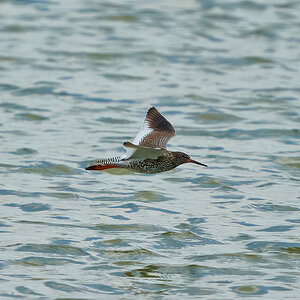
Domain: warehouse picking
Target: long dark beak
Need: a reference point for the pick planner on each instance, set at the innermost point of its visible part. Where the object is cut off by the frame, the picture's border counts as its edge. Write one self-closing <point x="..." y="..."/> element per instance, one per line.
<point x="196" y="162"/>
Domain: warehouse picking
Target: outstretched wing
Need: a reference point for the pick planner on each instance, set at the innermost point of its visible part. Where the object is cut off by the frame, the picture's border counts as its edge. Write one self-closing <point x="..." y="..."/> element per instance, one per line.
<point x="156" y="131"/>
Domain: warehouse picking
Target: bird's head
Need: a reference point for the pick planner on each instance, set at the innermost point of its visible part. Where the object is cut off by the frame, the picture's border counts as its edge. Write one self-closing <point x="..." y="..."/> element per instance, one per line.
<point x="183" y="158"/>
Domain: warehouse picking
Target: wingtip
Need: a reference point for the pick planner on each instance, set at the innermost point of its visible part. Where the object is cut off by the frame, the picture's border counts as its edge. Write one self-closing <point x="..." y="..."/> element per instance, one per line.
<point x="129" y="145"/>
<point x="90" y="168"/>
<point x="157" y="121"/>
<point x="152" y="109"/>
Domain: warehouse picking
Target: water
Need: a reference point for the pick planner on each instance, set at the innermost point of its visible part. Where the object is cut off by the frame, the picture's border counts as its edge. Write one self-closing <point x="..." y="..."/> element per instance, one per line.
<point x="76" y="79"/>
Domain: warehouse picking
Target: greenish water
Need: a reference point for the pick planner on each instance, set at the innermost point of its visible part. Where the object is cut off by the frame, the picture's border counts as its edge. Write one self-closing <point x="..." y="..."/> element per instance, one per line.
<point x="76" y="79"/>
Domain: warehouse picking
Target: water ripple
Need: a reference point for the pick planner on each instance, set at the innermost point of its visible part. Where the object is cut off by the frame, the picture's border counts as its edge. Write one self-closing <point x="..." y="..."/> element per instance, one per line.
<point x="76" y="81"/>
<point x="56" y="249"/>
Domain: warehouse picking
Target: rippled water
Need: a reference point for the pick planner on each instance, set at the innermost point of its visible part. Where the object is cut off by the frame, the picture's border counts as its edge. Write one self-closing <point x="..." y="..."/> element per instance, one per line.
<point x="76" y="79"/>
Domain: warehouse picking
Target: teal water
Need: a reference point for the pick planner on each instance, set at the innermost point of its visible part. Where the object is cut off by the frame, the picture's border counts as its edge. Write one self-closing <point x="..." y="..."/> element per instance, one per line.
<point x="76" y="79"/>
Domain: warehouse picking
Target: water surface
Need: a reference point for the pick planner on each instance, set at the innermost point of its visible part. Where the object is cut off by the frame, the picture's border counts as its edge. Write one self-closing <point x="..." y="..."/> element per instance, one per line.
<point x="76" y="79"/>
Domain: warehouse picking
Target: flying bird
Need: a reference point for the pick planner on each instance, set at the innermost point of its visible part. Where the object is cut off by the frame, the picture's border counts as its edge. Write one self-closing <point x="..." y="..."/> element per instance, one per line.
<point x="148" y="153"/>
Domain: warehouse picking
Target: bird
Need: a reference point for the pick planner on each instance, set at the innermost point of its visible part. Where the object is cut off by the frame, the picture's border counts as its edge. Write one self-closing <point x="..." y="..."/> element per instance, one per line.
<point x="147" y="153"/>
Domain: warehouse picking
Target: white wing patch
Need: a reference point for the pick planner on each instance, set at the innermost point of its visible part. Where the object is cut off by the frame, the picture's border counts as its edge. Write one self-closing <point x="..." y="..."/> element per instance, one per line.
<point x="145" y="130"/>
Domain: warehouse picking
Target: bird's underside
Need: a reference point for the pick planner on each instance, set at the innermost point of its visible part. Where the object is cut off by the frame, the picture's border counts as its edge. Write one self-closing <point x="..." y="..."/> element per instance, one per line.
<point x="142" y="160"/>
<point x="147" y="153"/>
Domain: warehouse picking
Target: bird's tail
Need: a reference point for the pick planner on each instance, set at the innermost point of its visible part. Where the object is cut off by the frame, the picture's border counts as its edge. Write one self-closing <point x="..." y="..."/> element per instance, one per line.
<point x="104" y="164"/>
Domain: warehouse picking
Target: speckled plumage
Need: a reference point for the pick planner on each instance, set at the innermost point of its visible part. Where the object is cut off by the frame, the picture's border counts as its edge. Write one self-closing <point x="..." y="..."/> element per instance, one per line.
<point x="148" y="154"/>
<point x="165" y="162"/>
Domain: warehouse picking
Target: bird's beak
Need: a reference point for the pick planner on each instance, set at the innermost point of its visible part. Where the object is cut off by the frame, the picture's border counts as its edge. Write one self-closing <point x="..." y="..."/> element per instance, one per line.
<point x="196" y="162"/>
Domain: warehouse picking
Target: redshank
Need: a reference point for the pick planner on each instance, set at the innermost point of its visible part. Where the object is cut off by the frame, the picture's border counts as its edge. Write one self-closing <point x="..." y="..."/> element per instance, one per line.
<point x="148" y="153"/>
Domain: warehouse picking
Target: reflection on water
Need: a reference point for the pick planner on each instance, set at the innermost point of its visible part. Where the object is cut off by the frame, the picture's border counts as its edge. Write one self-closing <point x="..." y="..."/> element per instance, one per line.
<point x="75" y="83"/>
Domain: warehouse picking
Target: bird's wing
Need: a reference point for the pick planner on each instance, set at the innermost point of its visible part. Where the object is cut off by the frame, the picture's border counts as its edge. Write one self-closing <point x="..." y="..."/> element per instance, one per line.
<point x="134" y="151"/>
<point x="156" y="131"/>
